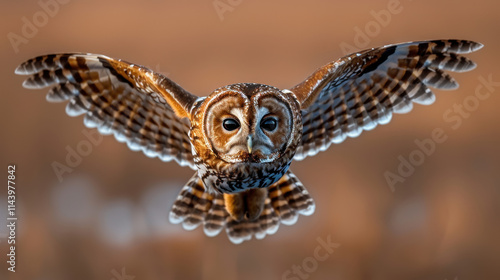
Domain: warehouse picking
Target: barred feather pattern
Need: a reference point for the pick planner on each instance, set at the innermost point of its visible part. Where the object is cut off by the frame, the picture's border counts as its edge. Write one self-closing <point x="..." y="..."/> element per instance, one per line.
<point x="286" y="199"/>
<point x="362" y="90"/>
<point x="116" y="99"/>
<point x="154" y="115"/>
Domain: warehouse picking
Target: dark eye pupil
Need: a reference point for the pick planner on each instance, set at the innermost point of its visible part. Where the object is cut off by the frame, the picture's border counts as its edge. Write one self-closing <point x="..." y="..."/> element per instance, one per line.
<point x="230" y="124"/>
<point x="269" y="124"/>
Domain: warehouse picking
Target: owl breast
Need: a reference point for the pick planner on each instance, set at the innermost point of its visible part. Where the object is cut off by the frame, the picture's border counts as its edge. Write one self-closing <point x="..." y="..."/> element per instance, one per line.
<point x="232" y="178"/>
<point x="244" y="136"/>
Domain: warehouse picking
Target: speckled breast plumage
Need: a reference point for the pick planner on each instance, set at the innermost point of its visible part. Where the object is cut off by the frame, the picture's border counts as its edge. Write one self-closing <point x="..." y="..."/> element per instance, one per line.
<point x="231" y="178"/>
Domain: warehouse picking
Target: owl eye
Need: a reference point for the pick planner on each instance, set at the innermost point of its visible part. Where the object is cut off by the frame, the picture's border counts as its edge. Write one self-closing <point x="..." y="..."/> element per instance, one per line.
<point x="269" y="123"/>
<point x="230" y="124"/>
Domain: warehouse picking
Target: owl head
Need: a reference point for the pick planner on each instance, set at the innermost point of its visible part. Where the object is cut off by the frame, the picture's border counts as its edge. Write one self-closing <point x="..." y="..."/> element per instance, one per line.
<point x="249" y="123"/>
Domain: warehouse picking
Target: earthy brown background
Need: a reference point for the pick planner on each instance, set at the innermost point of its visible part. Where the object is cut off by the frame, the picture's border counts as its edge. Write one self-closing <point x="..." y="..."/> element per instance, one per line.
<point x="110" y="213"/>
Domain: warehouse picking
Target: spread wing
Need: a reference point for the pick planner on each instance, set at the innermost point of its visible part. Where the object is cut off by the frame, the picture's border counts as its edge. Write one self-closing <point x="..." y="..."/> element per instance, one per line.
<point x="362" y="90"/>
<point x="142" y="108"/>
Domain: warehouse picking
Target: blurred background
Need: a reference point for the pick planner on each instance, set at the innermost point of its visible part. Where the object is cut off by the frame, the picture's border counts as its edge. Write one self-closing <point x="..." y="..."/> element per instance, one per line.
<point x="108" y="217"/>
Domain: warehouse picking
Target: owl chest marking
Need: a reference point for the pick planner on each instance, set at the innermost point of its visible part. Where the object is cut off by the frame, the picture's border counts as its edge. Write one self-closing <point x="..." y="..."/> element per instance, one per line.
<point x="240" y="179"/>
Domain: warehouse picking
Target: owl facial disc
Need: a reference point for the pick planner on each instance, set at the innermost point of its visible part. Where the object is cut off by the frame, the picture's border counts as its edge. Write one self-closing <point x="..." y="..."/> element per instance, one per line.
<point x="248" y="123"/>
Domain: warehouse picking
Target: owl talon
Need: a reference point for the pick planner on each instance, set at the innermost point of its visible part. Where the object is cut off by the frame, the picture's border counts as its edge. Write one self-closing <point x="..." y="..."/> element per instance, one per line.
<point x="255" y="199"/>
<point x="248" y="204"/>
<point x="235" y="205"/>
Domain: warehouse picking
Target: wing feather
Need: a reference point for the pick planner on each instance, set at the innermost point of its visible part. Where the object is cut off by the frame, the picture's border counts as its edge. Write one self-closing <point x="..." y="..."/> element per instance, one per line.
<point x="362" y="90"/>
<point x="135" y="104"/>
<point x="287" y="199"/>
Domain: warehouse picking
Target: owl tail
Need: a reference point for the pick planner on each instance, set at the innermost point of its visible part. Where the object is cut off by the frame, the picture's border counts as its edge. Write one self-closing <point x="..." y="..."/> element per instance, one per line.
<point x="286" y="199"/>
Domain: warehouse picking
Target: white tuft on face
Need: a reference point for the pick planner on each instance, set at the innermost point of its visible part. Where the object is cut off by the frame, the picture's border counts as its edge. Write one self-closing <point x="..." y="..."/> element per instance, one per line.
<point x="235" y="143"/>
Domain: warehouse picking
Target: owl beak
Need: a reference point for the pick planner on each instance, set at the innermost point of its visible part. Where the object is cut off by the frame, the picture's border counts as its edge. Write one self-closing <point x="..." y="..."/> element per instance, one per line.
<point x="249" y="144"/>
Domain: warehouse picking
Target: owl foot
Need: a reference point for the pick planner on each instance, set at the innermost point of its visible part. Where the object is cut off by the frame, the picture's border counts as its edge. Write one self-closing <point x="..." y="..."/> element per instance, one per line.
<point x="247" y="204"/>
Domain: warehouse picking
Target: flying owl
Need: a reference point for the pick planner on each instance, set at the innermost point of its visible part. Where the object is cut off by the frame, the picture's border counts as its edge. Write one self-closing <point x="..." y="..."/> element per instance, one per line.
<point x="242" y="138"/>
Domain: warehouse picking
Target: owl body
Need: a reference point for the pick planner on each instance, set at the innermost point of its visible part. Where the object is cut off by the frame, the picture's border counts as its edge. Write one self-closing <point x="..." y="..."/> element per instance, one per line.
<point x="252" y="157"/>
<point x="242" y="138"/>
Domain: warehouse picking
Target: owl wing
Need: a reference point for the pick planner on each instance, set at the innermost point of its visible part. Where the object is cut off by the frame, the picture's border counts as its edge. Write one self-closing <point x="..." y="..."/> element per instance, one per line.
<point x="142" y="108"/>
<point x="361" y="90"/>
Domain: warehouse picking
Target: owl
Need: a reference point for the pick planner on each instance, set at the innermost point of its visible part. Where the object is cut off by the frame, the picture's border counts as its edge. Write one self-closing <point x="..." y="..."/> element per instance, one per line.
<point x="241" y="139"/>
